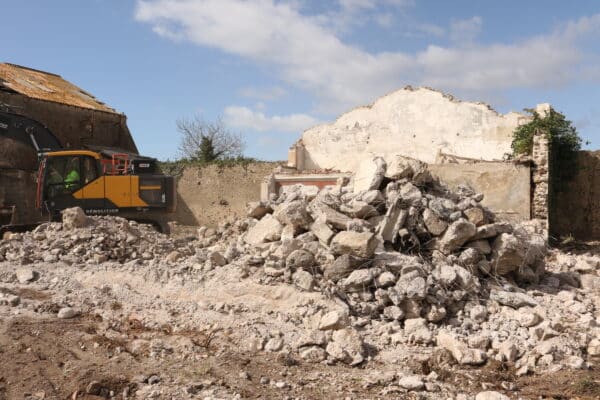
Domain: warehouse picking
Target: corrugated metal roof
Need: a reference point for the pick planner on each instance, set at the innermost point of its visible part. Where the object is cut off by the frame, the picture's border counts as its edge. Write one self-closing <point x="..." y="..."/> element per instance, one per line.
<point x="47" y="86"/>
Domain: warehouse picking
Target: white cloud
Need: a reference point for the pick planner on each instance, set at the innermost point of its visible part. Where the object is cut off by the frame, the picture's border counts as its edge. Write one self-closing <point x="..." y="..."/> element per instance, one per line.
<point x="465" y="31"/>
<point x="430" y="29"/>
<point x="310" y="54"/>
<point x="265" y="93"/>
<point x="245" y="118"/>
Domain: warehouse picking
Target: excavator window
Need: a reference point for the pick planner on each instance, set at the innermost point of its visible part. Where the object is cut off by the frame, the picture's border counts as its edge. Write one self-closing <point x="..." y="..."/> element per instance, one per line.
<point x="63" y="176"/>
<point x="90" y="170"/>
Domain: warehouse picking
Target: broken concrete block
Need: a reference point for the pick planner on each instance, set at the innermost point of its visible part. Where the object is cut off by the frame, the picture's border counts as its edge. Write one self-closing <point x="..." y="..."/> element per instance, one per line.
<point x="267" y="229"/>
<point x="475" y="215"/>
<point x="258" y="209"/>
<point x="410" y="194"/>
<point x="491" y="395"/>
<point x="359" y="209"/>
<point x="492" y="230"/>
<point x="512" y="299"/>
<point x="322" y="231"/>
<point x="457" y="234"/>
<point x="73" y="218"/>
<point x="400" y="167"/>
<point x="508" y="254"/>
<point x="434" y="224"/>
<point x="360" y="244"/>
<point x="293" y="213"/>
<point x="370" y="174"/>
<point x="346" y="346"/>
<point x="481" y="245"/>
<point x="300" y="259"/>
<point x="334" y="320"/>
<point x="372" y="197"/>
<point x="313" y="354"/>
<point x="332" y="217"/>
<point x="360" y="279"/>
<point x="303" y="279"/>
<point x="393" y="313"/>
<point x="25" y="275"/>
<point x="417" y="331"/>
<point x="394" y="220"/>
<point x="343" y="266"/>
<point x="459" y="350"/>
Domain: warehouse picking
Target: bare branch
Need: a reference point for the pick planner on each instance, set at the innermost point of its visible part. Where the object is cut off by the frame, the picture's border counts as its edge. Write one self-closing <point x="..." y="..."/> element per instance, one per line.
<point x="197" y="132"/>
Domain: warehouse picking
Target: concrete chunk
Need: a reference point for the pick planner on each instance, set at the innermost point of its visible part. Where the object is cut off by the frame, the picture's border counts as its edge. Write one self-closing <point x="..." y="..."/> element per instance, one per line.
<point x="322" y="231"/>
<point x="459" y="350"/>
<point x="332" y="217"/>
<point x="434" y="224"/>
<point x="257" y="209"/>
<point x="360" y="244"/>
<point x="267" y="229"/>
<point x="370" y="174"/>
<point x="394" y="219"/>
<point x="512" y="299"/>
<point x="343" y="266"/>
<point x="294" y="213"/>
<point x="457" y="234"/>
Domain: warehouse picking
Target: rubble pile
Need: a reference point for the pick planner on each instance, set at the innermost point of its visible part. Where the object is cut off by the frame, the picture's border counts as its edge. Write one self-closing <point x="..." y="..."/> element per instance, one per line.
<point x="410" y="261"/>
<point x="395" y="267"/>
<point x="82" y="239"/>
<point x="413" y="249"/>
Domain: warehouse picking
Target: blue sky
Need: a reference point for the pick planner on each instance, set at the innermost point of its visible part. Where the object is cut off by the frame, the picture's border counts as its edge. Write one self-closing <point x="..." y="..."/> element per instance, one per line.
<point x="273" y="68"/>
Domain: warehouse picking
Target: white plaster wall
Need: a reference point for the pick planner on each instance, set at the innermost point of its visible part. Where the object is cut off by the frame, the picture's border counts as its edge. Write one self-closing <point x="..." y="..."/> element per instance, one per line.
<point x="413" y="122"/>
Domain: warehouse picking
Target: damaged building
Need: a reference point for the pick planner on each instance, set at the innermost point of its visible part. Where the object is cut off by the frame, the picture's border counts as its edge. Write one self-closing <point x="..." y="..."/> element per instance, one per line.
<point x="463" y="143"/>
<point x="41" y="108"/>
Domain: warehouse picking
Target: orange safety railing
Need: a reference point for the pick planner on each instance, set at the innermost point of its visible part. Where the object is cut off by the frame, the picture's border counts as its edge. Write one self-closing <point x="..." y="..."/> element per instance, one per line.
<point x="117" y="165"/>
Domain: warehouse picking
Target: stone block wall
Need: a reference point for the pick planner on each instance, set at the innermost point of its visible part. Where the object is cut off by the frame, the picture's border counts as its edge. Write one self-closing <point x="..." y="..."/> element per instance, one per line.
<point x="540" y="177"/>
<point x="576" y="207"/>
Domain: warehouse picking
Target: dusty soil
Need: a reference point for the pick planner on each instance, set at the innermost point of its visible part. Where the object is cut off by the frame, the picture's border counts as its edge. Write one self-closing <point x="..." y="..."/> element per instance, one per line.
<point x="67" y="359"/>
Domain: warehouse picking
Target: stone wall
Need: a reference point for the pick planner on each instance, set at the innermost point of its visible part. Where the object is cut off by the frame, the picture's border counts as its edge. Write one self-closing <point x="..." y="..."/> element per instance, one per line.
<point x="505" y="186"/>
<point x="576" y="207"/>
<point x="74" y="126"/>
<point x="209" y="195"/>
<point x="418" y="123"/>
<point x="540" y="177"/>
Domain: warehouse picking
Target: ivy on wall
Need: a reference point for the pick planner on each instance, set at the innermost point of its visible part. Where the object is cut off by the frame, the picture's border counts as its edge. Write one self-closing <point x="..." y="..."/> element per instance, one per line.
<point x="564" y="140"/>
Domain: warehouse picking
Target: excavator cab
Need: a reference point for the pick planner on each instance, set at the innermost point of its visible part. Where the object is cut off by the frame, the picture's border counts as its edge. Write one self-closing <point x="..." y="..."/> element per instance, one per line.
<point x="62" y="175"/>
<point x="105" y="182"/>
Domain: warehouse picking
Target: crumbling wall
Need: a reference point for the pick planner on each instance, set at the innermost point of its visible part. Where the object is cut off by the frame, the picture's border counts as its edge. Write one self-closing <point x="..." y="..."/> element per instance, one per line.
<point x="18" y="187"/>
<point x="209" y="195"/>
<point x="576" y="208"/>
<point x="418" y="123"/>
<point x="74" y="126"/>
<point x="540" y="178"/>
<point x="505" y="186"/>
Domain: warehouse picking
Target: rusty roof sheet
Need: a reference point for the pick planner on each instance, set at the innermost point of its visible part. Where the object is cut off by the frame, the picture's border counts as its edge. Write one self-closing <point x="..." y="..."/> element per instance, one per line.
<point x="47" y="86"/>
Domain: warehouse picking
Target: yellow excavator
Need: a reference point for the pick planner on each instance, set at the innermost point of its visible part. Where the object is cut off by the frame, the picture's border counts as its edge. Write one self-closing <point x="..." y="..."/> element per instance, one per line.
<point x="100" y="180"/>
<point x="104" y="181"/>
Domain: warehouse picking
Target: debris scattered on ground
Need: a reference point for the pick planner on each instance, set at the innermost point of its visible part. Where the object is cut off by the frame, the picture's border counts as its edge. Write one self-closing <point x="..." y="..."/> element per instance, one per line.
<point x="404" y="275"/>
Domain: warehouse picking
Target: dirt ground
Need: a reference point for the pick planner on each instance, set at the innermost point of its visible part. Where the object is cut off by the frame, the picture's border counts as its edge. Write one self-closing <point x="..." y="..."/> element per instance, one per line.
<point x="67" y="359"/>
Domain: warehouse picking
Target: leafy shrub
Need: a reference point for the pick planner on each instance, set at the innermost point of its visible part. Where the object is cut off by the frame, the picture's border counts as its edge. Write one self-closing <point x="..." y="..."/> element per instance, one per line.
<point x="564" y="143"/>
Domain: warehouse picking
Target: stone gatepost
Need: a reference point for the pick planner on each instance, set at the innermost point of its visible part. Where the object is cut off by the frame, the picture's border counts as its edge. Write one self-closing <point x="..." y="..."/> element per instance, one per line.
<point x="540" y="154"/>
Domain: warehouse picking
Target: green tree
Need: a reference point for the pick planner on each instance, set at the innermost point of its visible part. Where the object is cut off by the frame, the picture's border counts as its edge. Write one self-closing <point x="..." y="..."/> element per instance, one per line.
<point x="563" y="138"/>
<point x="561" y="133"/>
